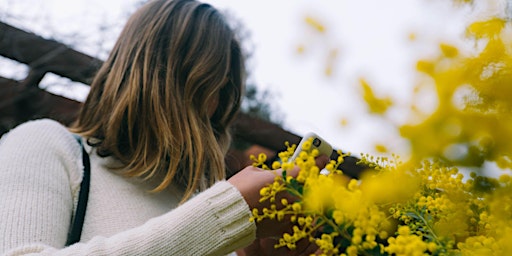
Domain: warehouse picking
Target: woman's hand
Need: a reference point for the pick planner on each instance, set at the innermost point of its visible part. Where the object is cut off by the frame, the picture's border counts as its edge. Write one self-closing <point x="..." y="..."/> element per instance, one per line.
<point x="249" y="182"/>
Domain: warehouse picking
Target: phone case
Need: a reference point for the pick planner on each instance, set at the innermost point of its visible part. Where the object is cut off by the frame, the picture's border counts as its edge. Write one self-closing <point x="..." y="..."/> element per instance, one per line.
<point x="323" y="146"/>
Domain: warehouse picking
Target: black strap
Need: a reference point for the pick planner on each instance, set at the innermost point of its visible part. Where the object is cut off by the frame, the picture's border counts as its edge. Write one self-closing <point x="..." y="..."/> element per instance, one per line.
<point x="76" y="227"/>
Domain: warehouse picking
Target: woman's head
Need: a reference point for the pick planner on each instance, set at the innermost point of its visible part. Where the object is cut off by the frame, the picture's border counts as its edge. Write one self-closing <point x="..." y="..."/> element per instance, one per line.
<point x="164" y="99"/>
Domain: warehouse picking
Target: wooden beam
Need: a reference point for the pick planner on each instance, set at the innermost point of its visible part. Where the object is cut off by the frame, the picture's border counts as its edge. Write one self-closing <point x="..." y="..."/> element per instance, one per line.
<point x="47" y="55"/>
<point x="19" y="104"/>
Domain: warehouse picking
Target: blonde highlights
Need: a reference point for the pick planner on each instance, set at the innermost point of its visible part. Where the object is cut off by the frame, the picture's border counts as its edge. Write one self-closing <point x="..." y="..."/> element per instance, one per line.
<point x="149" y="103"/>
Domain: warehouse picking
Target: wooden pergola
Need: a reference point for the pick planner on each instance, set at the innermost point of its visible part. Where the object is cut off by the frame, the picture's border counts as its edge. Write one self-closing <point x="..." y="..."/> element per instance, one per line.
<point x="24" y="100"/>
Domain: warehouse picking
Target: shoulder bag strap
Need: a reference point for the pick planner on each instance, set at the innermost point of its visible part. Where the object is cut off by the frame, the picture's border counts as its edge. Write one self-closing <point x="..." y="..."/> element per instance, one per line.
<point x="78" y="221"/>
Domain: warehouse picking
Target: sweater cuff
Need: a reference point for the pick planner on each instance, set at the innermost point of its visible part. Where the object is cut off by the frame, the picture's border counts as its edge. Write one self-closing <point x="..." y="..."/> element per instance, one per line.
<point x="218" y="223"/>
<point x="231" y="214"/>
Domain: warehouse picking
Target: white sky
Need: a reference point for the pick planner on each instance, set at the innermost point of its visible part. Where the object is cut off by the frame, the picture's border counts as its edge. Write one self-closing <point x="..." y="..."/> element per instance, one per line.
<point x="371" y="37"/>
<point x="372" y="40"/>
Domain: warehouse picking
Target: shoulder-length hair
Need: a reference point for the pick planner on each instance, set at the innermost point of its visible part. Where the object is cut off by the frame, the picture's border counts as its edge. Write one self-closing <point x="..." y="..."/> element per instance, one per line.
<point x="150" y="103"/>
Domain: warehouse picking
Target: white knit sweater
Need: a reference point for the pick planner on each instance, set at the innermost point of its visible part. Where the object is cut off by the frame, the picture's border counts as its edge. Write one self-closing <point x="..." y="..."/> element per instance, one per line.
<point x="40" y="175"/>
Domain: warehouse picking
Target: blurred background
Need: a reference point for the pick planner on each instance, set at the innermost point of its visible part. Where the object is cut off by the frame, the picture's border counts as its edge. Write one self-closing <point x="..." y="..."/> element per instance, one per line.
<point x="305" y="58"/>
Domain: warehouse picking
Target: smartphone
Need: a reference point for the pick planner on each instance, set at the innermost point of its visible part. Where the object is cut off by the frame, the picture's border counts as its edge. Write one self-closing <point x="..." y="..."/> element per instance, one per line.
<point x="323" y="146"/>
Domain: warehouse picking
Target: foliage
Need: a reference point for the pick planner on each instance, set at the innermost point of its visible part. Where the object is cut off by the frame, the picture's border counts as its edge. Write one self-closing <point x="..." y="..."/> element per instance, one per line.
<point x="425" y="205"/>
<point x="479" y="128"/>
<point x="395" y="209"/>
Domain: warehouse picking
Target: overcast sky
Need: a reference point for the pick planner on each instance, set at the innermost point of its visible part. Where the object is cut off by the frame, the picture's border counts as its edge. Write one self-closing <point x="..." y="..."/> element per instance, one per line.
<point x="371" y="37"/>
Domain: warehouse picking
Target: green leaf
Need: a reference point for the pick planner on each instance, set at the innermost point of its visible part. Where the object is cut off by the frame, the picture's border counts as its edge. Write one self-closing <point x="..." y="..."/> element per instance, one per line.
<point x="413" y="215"/>
<point x="295" y="185"/>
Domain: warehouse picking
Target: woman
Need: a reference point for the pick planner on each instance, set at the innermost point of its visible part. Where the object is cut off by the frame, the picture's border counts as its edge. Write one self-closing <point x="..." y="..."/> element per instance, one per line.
<point x="155" y="125"/>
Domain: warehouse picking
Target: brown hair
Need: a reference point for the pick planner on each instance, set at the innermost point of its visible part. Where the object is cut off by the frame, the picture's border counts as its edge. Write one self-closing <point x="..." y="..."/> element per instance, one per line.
<point x="149" y="103"/>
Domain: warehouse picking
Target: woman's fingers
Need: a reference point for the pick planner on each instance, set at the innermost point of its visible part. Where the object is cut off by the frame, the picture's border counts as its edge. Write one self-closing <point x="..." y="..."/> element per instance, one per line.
<point x="249" y="182"/>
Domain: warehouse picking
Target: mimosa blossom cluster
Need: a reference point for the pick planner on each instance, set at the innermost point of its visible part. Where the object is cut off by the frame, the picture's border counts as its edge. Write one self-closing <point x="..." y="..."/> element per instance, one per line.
<point x="394" y="209"/>
<point x="430" y="204"/>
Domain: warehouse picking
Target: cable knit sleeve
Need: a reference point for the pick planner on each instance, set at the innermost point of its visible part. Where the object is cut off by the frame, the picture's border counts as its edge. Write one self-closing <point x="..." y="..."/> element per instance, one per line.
<point x="214" y="222"/>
